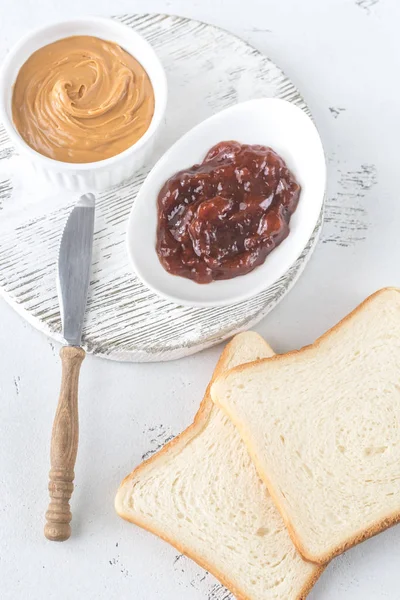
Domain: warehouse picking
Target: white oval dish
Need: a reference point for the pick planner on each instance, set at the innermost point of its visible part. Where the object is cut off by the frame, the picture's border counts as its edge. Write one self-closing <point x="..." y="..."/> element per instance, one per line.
<point x="111" y="171"/>
<point x="271" y="122"/>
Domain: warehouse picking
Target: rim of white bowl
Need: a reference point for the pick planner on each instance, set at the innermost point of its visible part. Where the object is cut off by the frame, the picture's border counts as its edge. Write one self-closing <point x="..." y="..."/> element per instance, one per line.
<point x="160" y="97"/>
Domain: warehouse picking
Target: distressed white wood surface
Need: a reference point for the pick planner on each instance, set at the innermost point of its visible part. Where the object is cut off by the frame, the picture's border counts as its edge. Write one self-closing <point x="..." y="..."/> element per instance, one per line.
<point x="208" y="70"/>
<point x="344" y="55"/>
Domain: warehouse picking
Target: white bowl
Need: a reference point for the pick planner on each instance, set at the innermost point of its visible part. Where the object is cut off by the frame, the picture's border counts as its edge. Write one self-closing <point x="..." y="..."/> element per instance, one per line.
<point x="271" y="122"/>
<point x="101" y="174"/>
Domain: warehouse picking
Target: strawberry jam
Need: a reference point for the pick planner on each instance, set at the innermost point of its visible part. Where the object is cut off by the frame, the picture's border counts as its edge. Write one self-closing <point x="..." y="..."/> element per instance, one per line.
<point x="221" y="218"/>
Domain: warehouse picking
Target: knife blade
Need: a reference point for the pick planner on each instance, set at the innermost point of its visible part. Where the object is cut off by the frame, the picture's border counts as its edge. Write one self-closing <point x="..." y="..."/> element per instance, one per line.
<point x="74" y="264"/>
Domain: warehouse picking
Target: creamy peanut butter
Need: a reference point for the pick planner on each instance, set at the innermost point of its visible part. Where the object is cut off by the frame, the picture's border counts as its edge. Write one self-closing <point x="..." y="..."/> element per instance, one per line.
<point x="82" y="99"/>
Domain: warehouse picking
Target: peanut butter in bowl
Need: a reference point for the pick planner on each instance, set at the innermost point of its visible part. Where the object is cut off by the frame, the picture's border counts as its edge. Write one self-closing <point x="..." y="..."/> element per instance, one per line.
<point x="82" y="99"/>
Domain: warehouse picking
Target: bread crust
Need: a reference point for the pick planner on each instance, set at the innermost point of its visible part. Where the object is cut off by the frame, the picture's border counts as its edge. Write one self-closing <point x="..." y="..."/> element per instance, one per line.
<point x="361" y="535"/>
<point x="198" y="425"/>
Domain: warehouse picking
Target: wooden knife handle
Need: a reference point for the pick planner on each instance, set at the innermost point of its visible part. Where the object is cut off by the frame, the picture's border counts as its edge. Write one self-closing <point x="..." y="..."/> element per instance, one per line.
<point x="64" y="446"/>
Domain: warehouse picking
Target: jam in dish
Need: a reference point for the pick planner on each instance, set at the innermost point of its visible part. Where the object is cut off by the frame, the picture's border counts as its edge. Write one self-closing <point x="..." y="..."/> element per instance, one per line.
<point x="221" y="219"/>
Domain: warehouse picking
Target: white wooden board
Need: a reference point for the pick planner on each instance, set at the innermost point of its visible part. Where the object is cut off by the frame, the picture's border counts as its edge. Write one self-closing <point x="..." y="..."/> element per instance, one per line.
<point x="208" y="70"/>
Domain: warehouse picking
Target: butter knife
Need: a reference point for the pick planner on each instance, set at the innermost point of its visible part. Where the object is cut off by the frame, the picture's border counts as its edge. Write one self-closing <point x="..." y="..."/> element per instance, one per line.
<point x="74" y="264"/>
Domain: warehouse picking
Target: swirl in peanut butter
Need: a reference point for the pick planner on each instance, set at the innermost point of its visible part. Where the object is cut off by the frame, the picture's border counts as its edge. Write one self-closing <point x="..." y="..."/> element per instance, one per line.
<point x="82" y="99"/>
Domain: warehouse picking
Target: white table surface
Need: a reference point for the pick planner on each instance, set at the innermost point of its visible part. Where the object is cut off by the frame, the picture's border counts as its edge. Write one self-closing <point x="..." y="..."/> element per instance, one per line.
<point x="344" y="55"/>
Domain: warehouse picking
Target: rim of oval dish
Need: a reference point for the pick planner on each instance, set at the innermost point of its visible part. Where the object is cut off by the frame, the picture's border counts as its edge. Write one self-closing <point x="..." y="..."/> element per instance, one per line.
<point x="288" y="259"/>
<point x="112" y="24"/>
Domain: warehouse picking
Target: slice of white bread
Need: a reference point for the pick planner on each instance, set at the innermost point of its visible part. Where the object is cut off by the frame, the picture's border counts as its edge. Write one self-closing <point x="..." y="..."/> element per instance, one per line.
<point x="323" y="428"/>
<point x="201" y="493"/>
